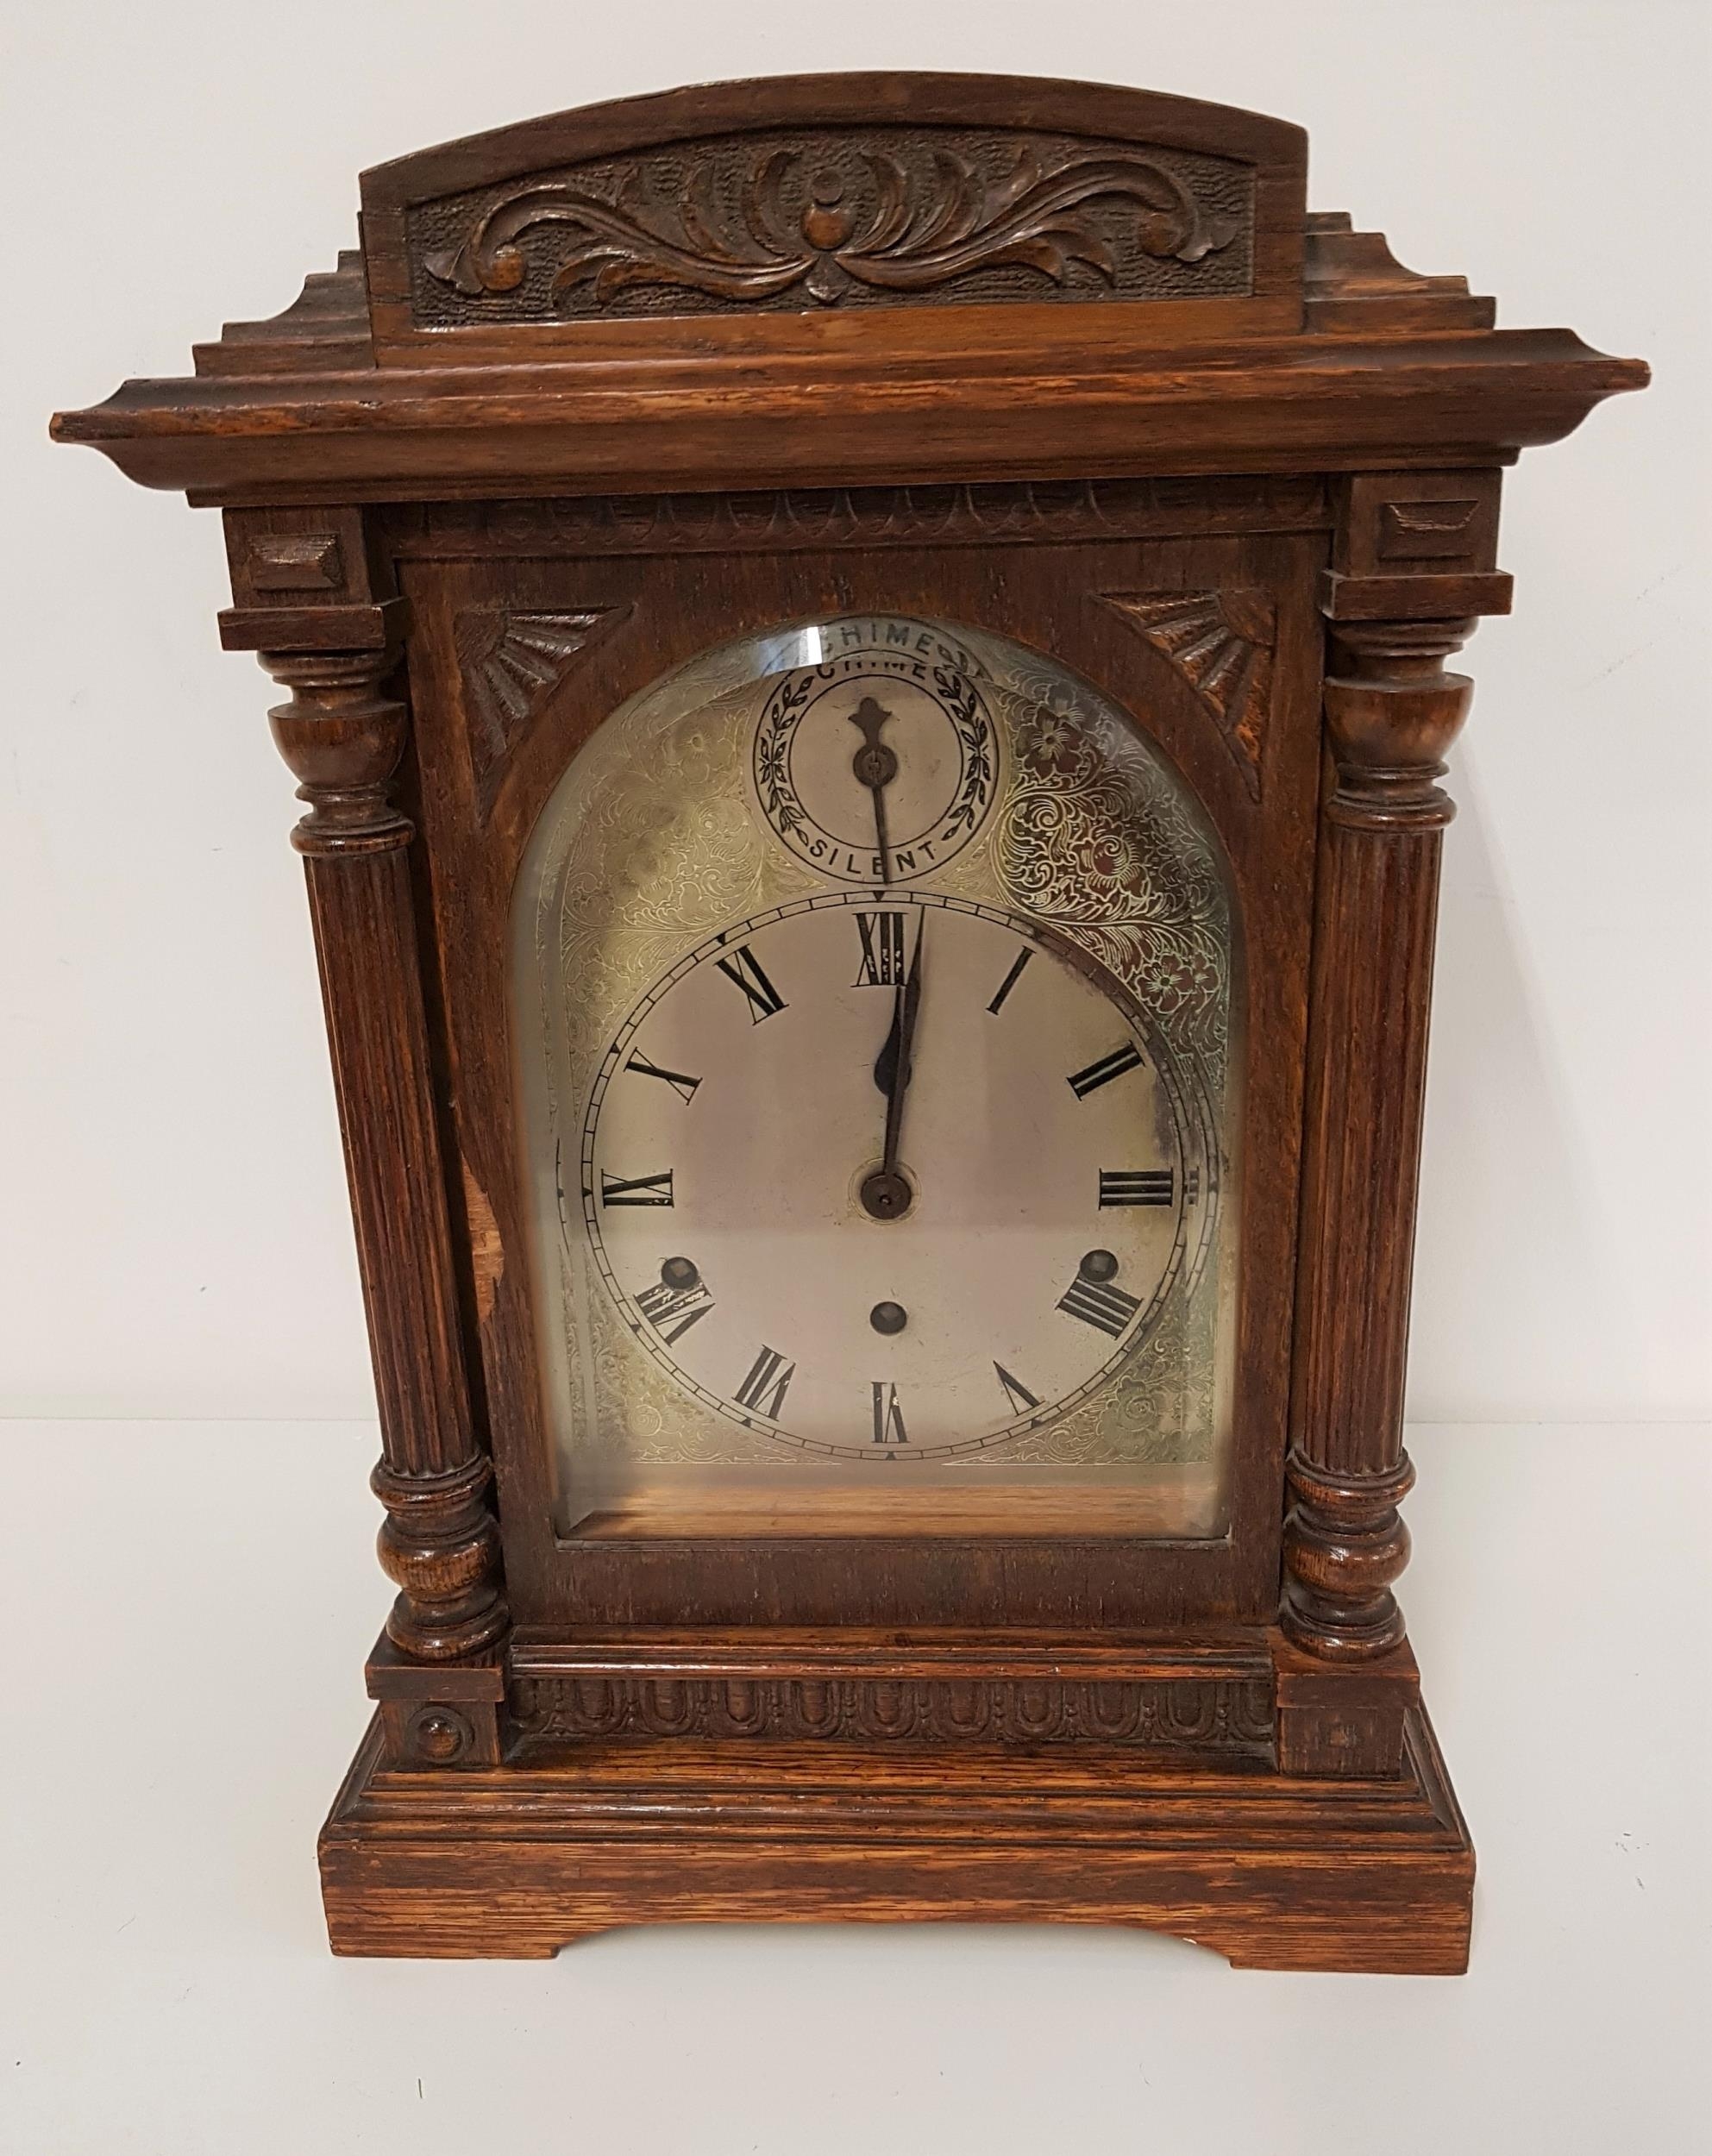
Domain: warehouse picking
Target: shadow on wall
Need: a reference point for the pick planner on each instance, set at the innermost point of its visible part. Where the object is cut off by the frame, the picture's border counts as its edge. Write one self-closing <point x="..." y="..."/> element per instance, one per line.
<point x="1522" y="1311"/>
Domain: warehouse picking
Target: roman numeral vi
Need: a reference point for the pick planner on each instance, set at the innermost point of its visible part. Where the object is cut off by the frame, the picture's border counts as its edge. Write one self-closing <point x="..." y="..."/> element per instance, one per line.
<point x="889" y="1417"/>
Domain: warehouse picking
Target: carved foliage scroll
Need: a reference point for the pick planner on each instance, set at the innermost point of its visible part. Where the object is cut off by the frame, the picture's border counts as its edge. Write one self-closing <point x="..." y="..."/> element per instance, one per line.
<point x="787" y="220"/>
<point x="1221" y="643"/>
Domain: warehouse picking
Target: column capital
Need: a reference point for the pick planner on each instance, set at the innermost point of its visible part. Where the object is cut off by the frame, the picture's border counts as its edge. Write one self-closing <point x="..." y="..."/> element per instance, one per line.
<point x="342" y="739"/>
<point x="1392" y="712"/>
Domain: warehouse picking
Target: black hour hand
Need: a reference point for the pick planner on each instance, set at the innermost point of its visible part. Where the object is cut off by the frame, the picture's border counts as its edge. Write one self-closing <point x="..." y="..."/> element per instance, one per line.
<point x="886" y="1063"/>
<point x="898" y="1039"/>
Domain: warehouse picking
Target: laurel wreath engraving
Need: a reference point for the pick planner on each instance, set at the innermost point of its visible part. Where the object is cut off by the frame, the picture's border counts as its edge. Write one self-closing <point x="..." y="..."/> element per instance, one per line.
<point x="957" y="696"/>
<point x="900" y="232"/>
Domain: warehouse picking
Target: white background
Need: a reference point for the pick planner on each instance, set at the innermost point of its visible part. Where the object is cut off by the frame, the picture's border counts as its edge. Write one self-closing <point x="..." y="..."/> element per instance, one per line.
<point x="180" y="1243"/>
<point x="174" y="1244"/>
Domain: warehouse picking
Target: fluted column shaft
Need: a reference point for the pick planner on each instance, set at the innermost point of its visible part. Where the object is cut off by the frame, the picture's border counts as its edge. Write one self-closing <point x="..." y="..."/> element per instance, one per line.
<point x="1391" y="712"/>
<point x="440" y="1542"/>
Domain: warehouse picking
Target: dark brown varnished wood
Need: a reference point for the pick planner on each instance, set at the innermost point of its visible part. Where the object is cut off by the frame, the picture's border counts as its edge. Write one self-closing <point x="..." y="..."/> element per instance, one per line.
<point x="439" y="1542"/>
<point x="1073" y="363"/>
<point x="1391" y="713"/>
<point x="1272" y="1871"/>
<point x="648" y="614"/>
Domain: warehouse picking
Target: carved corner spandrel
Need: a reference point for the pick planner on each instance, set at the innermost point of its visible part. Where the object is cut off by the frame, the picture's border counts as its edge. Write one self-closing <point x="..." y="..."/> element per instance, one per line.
<point x="1220" y="643"/>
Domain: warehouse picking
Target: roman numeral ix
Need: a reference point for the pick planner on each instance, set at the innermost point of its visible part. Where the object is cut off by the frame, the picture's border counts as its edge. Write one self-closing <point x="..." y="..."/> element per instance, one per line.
<point x="679" y="1081"/>
<point x="635" y="1190"/>
<point x="765" y="1387"/>
<point x="764" y="998"/>
<point x="1128" y="1057"/>
<point x="1137" y="1185"/>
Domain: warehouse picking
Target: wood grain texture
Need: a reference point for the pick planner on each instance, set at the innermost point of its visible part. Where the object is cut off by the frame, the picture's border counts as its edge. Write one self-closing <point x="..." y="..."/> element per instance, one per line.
<point x="1391" y="713"/>
<point x="1271" y="1871"/>
<point x="439" y="1543"/>
<point x="1076" y="402"/>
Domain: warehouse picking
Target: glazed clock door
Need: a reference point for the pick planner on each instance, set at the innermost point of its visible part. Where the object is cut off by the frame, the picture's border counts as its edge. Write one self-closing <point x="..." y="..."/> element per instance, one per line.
<point x="884" y="1070"/>
<point x="881" y="1137"/>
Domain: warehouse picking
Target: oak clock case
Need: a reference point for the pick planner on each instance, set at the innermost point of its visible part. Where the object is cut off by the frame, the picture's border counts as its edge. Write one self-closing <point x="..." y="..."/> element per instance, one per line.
<point x="866" y="661"/>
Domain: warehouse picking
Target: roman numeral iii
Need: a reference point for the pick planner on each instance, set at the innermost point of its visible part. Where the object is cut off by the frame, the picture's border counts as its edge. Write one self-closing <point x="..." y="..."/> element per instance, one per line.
<point x="1137" y="1185"/>
<point x="882" y="950"/>
<point x="1098" y="1303"/>
<point x="1083" y="1082"/>
<point x="681" y="1082"/>
<point x="765" y="1387"/>
<point x="764" y="998"/>
<point x="635" y="1190"/>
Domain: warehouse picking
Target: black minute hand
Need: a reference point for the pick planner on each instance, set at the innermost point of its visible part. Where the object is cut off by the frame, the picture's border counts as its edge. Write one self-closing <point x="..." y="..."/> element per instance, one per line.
<point x="886" y="1193"/>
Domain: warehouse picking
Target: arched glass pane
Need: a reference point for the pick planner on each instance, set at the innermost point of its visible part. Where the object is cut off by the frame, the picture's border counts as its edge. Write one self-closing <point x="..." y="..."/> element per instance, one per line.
<point x="876" y="991"/>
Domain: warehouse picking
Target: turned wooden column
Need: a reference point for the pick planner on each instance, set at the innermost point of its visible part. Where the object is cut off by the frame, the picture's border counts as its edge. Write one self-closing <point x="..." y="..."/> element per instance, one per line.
<point x="440" y="1542"/>
<point x="1391" y="712"/>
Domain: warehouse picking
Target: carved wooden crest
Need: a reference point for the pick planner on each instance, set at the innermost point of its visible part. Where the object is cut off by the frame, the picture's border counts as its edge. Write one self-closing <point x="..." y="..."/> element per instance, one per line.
<point x="512" y="665"/>
<point x="1221" y="643"/>
<point x="844" y="216"/>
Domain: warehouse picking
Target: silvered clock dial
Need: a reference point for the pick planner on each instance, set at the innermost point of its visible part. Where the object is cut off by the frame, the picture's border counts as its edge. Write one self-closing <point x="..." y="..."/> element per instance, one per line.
<point x="883" y="974"/>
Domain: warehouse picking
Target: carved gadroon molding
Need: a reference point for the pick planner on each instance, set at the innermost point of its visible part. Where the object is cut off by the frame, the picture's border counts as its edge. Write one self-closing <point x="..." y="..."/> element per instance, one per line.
<point x="1162" y="1712"/>
<point x="1221" y="643"/>
<point x="512" y="662"/>
<point x="789" y="219"/>
<point x="1020" y="511"/>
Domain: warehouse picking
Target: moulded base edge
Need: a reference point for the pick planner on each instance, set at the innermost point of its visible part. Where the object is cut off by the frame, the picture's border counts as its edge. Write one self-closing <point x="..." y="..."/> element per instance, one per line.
<point x="1271" y="1870"/>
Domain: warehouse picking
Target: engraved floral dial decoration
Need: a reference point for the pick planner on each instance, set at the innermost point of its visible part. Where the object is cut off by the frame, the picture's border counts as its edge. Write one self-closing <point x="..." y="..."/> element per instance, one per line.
<point x="877" y="982"/>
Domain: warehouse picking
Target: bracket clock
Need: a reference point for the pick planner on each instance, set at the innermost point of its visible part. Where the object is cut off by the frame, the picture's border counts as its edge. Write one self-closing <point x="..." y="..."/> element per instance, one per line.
<point x="866" y="658"/>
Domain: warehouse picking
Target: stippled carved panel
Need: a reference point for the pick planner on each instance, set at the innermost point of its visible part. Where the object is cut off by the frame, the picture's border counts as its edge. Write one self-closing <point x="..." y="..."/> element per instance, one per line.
<point x="1170" y="1712"/>
<point x="1221" y="643"/>
<point x="786" y="220"/>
